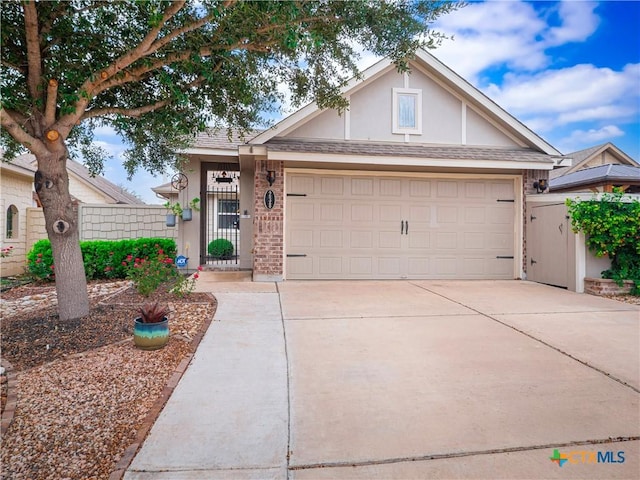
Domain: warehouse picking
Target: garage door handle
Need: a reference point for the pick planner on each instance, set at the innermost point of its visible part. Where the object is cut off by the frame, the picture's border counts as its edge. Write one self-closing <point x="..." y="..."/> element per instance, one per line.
<point x="406" y="227"/>
<point x="401" y="227"/>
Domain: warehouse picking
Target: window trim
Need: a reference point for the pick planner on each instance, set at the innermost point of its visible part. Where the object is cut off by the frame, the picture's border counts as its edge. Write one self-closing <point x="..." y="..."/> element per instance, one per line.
<point x="417" y="93"/>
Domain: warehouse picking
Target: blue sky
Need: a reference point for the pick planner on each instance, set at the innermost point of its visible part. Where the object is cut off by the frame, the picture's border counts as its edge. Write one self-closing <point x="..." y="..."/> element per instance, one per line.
<point x="570" y="71"/>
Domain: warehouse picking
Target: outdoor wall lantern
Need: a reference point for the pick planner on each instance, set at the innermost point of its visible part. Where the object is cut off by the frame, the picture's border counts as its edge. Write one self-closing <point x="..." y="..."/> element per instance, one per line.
<point x="271" y="176"/>
<point x="541" y="185"/>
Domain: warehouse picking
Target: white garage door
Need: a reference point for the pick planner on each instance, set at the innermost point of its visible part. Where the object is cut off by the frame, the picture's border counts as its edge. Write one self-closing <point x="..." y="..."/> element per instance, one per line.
<point x="378" y="227"/>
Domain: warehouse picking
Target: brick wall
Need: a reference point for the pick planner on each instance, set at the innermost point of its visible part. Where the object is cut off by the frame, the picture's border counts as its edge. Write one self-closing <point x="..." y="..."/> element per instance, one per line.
<point x="603" y="286"/>
<point x="268" y="225"/>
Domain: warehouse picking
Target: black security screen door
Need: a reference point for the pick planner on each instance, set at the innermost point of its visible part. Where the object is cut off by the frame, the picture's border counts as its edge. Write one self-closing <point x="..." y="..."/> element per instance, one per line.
<point x="220" y="229"/>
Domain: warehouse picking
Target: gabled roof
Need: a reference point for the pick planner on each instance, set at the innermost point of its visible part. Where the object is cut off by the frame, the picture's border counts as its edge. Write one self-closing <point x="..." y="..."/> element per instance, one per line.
<point x="439" y="70"/>
<point x="602" y="174"/>
<point x="583" y="157"/>
<point x="27" y="162"/>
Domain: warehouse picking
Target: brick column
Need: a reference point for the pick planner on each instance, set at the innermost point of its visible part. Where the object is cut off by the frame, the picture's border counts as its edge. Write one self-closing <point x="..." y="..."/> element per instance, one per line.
<point x="268" y="225"/>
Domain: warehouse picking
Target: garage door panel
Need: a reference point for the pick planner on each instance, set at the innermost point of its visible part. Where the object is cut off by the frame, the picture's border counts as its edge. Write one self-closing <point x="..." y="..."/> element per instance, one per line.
<point x="389" y="240"/>
<point x="361" y="239"/>
<point x="473" y="266"/>
<point x="447" y="214"/>
<point x="331" y="212"/>
<point x="474" y="240"/>
<point x="445" y="266"/>
<point x="391" y="213"/>
<point x="474" y="190"/>
<point x="390" y="266"/>
<point x="330" y="265"/>
<point x="300" y="266"/>
<point x="332" y="185"/>
<point x="301" y="239"/>
<point x="362" y="213"/>
<point x="446" y="240"/>
<point x="390" y="187"/>
<point x="362" y="187"/>
<point x="499" y="216"/>
<point x="447" y="189"/>
<point x="420" y="239"/>
<point x="301" y="212"/>
<point x="420" y="189"/>
<point x="361" y="266"/>
<point x="473" y="215"/>
<point x="399" y="227"/>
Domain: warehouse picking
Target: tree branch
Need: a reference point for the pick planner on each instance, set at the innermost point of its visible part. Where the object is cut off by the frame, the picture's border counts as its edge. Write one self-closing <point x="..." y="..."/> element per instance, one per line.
<point x="127" y="112"/>
<point x="89" y="90"/>
<point x="9" y="123"/>
<point x="52" y="97"/>
<point x="17" y="68"/>
<point x="33" y="47"/>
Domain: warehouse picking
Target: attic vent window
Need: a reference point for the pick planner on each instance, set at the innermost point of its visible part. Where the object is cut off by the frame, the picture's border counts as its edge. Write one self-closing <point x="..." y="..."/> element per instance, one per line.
<point x="407" y="111"/>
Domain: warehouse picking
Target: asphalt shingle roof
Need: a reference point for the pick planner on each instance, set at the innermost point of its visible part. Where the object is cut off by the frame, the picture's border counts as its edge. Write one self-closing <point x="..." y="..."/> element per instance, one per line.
<point x="601" y="173"/>
<point x="119" y="195"/>
<point x="408" y="150"/>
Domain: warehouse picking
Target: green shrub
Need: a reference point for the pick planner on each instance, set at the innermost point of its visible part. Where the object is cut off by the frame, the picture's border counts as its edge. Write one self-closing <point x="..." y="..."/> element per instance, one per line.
<point x="102" y="258"/>
<point x="611" y="227"/>
<point x="220" y="248"/>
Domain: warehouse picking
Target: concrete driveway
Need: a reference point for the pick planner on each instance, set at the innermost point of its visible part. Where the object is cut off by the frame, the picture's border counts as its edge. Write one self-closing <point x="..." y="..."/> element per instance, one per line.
<point x="405" y="379"/>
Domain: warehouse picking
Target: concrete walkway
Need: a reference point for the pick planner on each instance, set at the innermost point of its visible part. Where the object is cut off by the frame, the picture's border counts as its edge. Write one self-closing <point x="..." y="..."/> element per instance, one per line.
<point x="404" y="379"/>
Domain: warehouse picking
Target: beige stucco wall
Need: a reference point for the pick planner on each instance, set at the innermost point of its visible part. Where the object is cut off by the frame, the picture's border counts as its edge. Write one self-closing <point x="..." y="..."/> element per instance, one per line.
<point x="445" y="118"/>
<point x="16" y="190"/>
<point x="85" y="193"/>
<point x="481" y="132"/>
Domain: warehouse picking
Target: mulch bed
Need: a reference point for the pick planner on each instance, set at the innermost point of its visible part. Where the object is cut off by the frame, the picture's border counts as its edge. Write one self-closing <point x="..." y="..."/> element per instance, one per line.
<point x="85" y="394"/>
<point x="33" y="338"/>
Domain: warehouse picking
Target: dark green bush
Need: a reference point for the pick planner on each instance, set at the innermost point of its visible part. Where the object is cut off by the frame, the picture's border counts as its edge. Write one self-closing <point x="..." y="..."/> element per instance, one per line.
<point x="102" y="258"/>
<point x="220" y="248"/>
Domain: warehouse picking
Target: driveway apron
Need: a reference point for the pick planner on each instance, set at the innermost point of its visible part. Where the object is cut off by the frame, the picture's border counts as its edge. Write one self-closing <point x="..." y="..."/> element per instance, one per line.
<point x="405" y="379"/>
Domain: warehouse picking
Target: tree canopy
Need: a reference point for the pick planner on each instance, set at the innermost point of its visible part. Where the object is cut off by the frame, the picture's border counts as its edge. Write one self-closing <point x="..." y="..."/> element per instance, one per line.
<point x="159" y="71"/>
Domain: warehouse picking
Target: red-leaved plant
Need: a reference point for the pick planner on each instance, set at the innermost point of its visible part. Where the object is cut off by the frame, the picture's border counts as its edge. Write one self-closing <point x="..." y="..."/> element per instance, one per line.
<point x="153" y="313"/>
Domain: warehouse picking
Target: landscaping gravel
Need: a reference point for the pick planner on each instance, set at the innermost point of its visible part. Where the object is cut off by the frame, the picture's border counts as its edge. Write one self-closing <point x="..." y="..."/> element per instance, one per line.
<point x="82" y="400"/>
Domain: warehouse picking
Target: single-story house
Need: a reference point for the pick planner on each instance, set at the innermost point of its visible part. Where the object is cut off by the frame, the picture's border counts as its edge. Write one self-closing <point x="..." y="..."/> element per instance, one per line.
<point x="19" y="199"/>
<point x="422" y="177"/>
<point x="597" y="169"/>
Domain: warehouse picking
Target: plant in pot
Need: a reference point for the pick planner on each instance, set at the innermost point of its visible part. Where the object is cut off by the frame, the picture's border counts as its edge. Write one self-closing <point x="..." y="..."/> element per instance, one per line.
<point x="187" y="212"/>
<point x="151" y="328"/>
<point x="175" y="210"/>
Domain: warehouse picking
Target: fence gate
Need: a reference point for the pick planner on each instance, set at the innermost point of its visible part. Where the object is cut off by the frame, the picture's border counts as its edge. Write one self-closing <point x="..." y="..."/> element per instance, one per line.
<point x="220" y="229"/>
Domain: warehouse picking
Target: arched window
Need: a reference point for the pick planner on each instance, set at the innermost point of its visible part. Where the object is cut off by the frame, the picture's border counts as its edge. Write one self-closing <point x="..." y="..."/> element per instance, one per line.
<point x="12" y="222"/>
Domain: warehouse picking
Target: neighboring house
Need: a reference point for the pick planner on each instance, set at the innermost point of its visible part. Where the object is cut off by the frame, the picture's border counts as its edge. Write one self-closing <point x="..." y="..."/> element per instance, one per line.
<point x="21" y="223"/>
<point x="422" y="177"/>
<point x="597" y="169"/>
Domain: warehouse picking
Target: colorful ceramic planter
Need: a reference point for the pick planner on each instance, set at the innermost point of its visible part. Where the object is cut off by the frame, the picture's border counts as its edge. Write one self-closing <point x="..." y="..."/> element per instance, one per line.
<point x="150" y="336"/>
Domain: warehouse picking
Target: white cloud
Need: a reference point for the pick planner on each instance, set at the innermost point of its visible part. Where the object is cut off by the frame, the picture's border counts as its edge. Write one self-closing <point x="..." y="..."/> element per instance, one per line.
<point x="577" y="139"/>
<point x="579" y="21"/>
<point x="510" y="33"/>
<point x="575" y="94"/>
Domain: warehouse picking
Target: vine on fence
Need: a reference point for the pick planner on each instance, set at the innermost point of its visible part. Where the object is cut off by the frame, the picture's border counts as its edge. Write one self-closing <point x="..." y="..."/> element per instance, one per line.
<point x="611" y="226"/>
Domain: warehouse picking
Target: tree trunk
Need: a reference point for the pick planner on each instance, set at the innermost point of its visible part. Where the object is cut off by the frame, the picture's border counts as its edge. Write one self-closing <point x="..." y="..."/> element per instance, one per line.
<point x="52" y="186"/>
